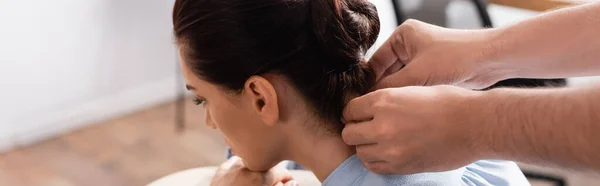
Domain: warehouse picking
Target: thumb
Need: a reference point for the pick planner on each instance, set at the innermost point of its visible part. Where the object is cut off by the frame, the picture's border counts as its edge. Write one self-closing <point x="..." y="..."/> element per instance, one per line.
<point x="234" y="161"/>
<point x="277" y="174"/>
<point x="407" y="76"/>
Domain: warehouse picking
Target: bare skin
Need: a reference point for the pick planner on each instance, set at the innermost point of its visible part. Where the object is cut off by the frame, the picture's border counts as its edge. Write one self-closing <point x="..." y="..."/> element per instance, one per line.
<point x="414" y="129"/>
<point x="234" y="172"/>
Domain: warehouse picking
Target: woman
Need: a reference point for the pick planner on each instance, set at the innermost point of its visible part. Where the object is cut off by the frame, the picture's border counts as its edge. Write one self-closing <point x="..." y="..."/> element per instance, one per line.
<point x="274" y="76"/>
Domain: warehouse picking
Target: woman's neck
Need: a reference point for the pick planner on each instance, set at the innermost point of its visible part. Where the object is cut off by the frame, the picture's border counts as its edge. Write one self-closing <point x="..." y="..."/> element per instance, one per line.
<point x="320" y="153"/>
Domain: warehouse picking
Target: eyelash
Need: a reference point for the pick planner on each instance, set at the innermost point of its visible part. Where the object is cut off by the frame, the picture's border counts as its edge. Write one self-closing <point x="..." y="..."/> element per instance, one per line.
<point x="198" y="101"/>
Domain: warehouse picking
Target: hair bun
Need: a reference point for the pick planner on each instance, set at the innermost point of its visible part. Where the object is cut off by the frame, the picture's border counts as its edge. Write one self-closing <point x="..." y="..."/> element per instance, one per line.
<point x="346" y="29"/>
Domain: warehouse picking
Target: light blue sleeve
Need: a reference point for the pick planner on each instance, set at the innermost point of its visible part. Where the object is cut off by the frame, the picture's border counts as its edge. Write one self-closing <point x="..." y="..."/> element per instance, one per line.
<point x="494" y="172"/>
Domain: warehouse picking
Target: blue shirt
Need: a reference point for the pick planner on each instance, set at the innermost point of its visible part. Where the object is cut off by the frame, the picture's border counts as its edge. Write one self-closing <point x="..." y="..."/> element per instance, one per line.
<point x="481" y="173"/>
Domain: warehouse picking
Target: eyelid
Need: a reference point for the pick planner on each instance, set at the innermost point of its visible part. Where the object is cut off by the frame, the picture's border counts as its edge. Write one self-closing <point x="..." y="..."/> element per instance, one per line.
<point x="198" y="101"/>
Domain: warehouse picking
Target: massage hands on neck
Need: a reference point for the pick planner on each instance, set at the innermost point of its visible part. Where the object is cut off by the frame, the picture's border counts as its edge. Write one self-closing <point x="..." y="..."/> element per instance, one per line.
<point x="420" y="129"/>
<point x="403" y="127"/>
<point x="407" y="129"/>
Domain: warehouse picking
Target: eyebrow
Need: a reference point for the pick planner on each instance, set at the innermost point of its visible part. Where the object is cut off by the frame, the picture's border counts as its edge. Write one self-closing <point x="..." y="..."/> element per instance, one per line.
<point x="189" y="87"/>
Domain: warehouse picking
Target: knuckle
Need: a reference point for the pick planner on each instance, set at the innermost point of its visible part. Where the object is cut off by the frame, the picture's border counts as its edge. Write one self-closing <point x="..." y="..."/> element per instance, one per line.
<point x="385" y="97"/>
<point x="346" y="136"/>
<point x="409" y="26"/>
<point x="384" y="130"/>
<point x="361" y="155"/>
<point x="412" y="21"/>
<point x="396" y="154"/>
<point x="372" y="167"/>
<point x="379" y="106"/>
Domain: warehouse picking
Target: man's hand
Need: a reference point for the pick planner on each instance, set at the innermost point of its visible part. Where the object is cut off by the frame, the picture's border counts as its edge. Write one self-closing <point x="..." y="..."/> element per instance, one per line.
<point x="421" y="54"/>
<point x="234" y="173"/>
<point x="415" y="129"/>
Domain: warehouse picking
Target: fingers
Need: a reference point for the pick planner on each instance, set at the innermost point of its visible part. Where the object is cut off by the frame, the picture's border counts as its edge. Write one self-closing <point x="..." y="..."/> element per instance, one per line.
<point x="287" y="177"/>
<point x="369" y="153"/>
<point x="379" y="167"/>
<point x="359" y="133"/>
<point x="409" y="75"/>
<point x="277" y="174"/>
<point x="358" y="109"/>
<point x="231" y="162"/>
<point x="289" y="183"/>
<point x="392" y="69"/>
<point x="391" y="51"/>
<point x="292" y="183"/>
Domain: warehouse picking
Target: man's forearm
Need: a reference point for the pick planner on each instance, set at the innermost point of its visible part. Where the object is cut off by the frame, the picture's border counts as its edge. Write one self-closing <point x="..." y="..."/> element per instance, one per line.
<point x="558" y="44"/>
<point x="560" y="126"/>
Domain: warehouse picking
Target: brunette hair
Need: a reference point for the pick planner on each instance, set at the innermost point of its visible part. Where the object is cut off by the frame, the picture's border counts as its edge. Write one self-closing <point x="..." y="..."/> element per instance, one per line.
<point x="318" y="45"/>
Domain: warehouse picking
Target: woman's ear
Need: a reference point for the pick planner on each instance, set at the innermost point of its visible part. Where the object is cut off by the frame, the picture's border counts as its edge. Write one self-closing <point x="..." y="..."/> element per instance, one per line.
<point x="264" y="99"/>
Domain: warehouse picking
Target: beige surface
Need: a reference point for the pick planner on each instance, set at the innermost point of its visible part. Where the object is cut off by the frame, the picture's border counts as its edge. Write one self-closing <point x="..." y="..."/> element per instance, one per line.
<point x="202" y="177"/>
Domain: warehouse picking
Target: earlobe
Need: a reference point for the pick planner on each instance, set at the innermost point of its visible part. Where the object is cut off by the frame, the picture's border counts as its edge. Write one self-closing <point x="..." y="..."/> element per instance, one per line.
<point x="264" y="99"/>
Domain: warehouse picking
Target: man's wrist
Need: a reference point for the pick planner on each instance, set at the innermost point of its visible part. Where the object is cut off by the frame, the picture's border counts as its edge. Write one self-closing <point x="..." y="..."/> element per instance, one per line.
<point x="497" y="115"/>
<point x="495" y="58"/>
<point x="480" y="116"/>
<point x="510" y="121"/>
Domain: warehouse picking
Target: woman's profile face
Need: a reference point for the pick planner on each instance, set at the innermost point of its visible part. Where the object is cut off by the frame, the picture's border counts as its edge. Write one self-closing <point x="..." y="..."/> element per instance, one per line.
<point x="244" y="131"/>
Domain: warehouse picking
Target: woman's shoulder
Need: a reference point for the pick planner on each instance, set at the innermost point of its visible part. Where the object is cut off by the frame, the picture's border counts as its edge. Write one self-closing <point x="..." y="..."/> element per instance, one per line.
<point x="450" y="178"/>
<point x="353" y="173"/>
<point x="480" y="173"/>
<point x="494" y="172"/>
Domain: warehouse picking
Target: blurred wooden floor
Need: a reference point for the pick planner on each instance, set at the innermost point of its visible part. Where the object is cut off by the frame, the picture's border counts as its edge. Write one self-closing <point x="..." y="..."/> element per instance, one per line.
<point x="130" y="151"/>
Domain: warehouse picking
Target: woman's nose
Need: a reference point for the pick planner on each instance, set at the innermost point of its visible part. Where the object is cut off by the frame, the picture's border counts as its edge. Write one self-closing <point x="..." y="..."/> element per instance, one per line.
<point x="208" y="120"/>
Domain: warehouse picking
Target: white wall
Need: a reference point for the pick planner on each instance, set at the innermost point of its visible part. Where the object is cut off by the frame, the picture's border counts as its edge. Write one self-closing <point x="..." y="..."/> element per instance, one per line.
<point x="387" y="18"/>
<point x="68" y="63"/>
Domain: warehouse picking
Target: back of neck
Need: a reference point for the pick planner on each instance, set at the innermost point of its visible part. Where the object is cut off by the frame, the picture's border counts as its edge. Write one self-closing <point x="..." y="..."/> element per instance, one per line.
<point x="320" y="154"/>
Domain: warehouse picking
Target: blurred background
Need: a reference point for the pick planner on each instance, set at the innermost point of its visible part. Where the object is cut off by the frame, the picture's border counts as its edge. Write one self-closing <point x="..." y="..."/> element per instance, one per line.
<point x="91" y="92"/>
